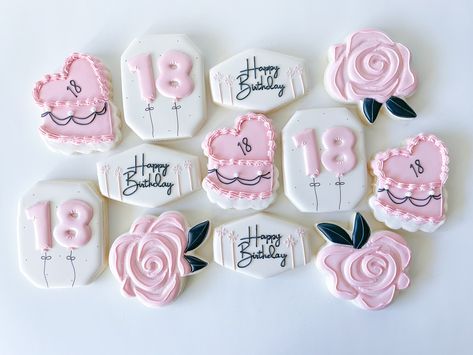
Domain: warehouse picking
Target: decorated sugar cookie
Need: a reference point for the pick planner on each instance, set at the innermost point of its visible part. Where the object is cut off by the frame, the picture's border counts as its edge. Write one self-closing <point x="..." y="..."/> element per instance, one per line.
<point x="62" y="233"/>
<point x="261" y="245"/>
<point x="409" y="191"/>
<point x="152" y="259"/>
<point x="324" y="160"/>
<point x="163" y="87"/>
<point x="258" y="80"/>
<point x="79" y="116"/>
<point x="241" y="173"/>
<point x="148" y="175"/>
<point x="367" y="269"/>
<point x="373" y="71"/>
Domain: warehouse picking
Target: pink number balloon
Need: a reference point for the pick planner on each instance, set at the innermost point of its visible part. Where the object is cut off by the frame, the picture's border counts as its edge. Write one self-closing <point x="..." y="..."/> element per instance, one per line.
<point x="338" y="155"/>
<point x="40" y="214"/>
<point x="306" y="140"/>
<point x="73" y="230"/>
<point x="142" y="66"/>
<point x="174" y="80"/>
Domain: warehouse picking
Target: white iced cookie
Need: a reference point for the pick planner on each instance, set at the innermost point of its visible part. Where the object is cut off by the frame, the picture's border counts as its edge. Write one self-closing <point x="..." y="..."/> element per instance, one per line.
<point x="62" y="233"/>
<point x="163" y="87"/>
<point x="258" y="80"/>
<point x="148" y="175"/>
<point x="324" y="160"/>
<point x="261" y="245"/>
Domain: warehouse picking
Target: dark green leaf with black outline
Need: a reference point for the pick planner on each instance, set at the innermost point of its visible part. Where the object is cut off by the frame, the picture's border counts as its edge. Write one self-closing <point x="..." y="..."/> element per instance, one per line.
<point x="371" y="109"/>
<point x="335" y="233"/>
<point x="195" y="263"/>
<point x="398" y="107"/>
<point x="361" y="231"/>
<point x="197" y="235"/>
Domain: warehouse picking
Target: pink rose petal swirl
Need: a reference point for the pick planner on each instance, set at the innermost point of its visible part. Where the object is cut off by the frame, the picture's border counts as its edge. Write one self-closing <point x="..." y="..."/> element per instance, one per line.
<point x="369" y="65"/>
<point x="368" y="276"/>
<point x="149" y="261"/>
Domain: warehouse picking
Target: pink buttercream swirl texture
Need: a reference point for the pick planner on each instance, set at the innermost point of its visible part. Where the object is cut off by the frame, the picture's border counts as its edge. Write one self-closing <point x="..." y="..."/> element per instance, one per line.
<point x="369" y="65"/>
<point x="149" y="260"/>
<point x="369" y="276"/>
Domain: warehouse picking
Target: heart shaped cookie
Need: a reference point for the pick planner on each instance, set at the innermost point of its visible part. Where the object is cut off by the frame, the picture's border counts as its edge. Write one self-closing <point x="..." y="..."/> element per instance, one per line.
<point x="410" y="184"/>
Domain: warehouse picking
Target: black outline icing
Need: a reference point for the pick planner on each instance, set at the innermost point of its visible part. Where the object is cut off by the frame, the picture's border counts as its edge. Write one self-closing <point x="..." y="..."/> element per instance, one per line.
<point x="71" y="258"/>
<point x="246" y="182"/>
<point x="399" y="201"/>
<point x="60" y="121"/>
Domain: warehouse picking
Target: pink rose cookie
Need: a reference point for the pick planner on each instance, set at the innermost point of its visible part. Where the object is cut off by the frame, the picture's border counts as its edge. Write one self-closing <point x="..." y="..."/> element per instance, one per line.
<point x="365" y="269"/>
<point x="79" y="116"/>
<point x="409" y="190"/>
<point x="241" y="173"/>
<point x="372" y="70"/>
<point x="150" y="260"/>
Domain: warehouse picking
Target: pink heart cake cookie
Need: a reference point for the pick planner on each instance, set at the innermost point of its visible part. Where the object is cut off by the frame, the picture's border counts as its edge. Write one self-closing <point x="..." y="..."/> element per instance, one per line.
<point x="409" y="192"/>
<point x="241" y="173"/>
<point x="367" y="269"/>
<point x="79" y="116"/>
<point x="372" y="70"/>
<point x="151" y="259"/>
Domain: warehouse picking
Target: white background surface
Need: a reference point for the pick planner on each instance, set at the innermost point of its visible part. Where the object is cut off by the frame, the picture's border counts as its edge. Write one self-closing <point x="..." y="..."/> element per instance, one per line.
<point x="220" y="311"/>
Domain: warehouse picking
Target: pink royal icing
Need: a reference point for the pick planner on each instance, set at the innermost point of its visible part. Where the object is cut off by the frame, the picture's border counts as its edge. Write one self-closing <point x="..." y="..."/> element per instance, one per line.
<point x="368" y="276"/>
<point x="410" y="181"/>
<point x="241" y="159"/>
<point x="149" y="260"/>
<point x="143" y="67"/>
<point x="73" y="230"/>
<point x="174" y="69"/>
<point x="76" y="102"/>
<point x="369" y="65"/>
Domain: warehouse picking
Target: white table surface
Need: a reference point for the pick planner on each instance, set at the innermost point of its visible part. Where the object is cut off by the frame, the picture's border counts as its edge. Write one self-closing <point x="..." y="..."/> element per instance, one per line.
<point x="222" y="312"/>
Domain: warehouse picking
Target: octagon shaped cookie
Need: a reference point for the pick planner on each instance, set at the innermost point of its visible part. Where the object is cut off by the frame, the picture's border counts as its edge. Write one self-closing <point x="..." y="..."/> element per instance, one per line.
<point x="258" y="80"/>
<point x="163" y="87"/>
<point x="324" y="160"/>
<point x="261" y="245"/>
<point x="148" y="175"/>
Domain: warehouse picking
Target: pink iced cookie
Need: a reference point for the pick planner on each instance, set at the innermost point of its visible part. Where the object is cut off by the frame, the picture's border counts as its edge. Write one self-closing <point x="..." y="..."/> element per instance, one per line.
<point x="372" y="70"/>
<point x="79" y="116"/>
<point x="150" y="260"/>
<point x="365" y="269"/>
<point x="410" y="191"/>
<point x="241" y="173"/>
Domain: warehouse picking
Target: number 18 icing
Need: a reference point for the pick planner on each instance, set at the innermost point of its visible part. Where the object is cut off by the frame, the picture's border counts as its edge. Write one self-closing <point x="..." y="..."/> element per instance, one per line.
<point x="62" y="233"/>
<point x="163" y="87"/>
<point x="79" y="116"/>
<point x="367" y="269"/>
<point x="151" y="260"/>
<point x="410" y="191"/>
<point x="324" y="160"/>
<point x="373" y="70"/>
<point x="241" y="173"/>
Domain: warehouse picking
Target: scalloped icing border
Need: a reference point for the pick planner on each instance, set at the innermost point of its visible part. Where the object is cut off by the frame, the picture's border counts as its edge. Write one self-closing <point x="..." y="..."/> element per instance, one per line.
<point x="403" y="220"/>
<point x="217" y="197"/>
<point x="207" y="143"/>
<point x="100" y="71"/>
<point x="380" y="158"/>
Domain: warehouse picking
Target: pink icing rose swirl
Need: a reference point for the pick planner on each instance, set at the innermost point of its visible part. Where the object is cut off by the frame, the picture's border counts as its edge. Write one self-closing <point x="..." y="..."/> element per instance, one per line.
<point x="369" y="65"/>
<point x="149" y="261"/>
<point x="368" y="276"/>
